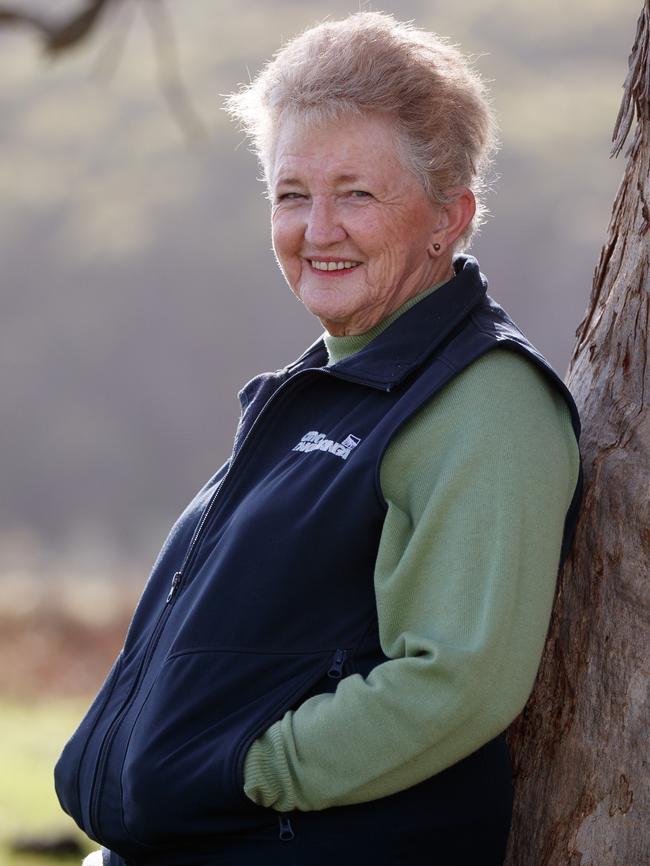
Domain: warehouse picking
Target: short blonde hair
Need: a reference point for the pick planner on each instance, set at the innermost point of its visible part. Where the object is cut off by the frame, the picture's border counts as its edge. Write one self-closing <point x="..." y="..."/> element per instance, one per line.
<point x="369" y="62"/>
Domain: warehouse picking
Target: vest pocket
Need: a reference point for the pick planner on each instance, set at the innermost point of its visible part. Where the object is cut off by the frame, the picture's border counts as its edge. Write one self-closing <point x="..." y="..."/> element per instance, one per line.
<point x="182" y="766"/>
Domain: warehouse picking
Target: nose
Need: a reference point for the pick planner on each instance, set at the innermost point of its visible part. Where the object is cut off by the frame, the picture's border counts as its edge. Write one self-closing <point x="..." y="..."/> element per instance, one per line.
<point x="324" y="226"/>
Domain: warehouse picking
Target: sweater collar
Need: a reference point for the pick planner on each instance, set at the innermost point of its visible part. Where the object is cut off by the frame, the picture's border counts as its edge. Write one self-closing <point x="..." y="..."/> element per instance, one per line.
<point x="340" y="348"/>
<point x="411" y="338"/>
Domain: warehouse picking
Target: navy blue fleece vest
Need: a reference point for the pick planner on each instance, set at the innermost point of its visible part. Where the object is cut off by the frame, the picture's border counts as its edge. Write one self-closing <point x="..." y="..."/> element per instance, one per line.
<point x="263" y="593"/>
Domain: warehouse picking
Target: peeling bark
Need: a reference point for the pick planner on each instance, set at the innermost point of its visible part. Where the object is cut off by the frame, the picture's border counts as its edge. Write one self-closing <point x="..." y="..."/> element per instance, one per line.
<point x="580" y="748"/>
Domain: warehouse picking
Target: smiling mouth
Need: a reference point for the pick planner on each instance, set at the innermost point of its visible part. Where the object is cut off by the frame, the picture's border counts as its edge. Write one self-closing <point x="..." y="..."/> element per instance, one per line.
<point x="344" y="265"/>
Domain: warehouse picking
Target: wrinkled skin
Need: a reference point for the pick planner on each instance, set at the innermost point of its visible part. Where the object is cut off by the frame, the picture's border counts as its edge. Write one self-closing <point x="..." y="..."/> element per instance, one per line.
<point x="341" y="194"/>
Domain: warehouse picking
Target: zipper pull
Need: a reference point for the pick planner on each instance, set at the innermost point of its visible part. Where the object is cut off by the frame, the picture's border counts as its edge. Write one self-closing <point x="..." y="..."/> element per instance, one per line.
<point x="176" y="579"/>
<point x="336" y="668"/>
<point x="286" y="830"/>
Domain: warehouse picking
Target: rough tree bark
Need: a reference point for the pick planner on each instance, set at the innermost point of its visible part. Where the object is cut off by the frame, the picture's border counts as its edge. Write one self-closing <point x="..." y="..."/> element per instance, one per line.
<point x="580" y="748"/>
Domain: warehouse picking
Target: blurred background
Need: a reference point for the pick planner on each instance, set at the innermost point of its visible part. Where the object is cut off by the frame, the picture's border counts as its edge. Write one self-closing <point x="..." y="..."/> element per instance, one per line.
<point x="139" y="292"/>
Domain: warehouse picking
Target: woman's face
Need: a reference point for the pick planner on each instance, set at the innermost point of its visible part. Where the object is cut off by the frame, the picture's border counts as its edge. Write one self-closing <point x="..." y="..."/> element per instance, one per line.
<point x="353" y="229"/>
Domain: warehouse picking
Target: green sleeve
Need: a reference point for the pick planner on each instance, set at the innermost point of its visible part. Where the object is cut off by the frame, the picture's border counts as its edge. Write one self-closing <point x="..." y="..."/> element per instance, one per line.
<point x="477" y="484"/>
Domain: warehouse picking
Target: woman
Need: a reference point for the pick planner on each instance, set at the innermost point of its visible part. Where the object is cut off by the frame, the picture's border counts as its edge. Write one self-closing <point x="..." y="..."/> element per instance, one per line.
<point x="351" y="611"/>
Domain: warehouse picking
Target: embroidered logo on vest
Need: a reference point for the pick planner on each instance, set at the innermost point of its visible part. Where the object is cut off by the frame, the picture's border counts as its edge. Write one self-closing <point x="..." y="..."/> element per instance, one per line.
<point x="315" y="441"/>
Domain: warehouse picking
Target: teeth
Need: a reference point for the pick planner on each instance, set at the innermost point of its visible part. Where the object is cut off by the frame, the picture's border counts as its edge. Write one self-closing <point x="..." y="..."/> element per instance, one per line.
<point x="332" y="266"/>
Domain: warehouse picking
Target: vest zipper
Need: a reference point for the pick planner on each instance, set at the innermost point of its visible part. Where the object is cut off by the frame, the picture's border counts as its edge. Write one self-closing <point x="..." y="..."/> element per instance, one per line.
<point x="175" y="587"/>
<point x="218" y="494"/>
<point x="109" y="736"/>
<point x="336" y="668"/>
<point x="286" y="830"/>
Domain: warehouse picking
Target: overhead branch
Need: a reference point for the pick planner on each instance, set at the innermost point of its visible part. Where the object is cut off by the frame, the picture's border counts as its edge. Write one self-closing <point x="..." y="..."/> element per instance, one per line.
<point x="111" y="52"/>
<point x="57" y="37"/>
<point x="170" y="82"/>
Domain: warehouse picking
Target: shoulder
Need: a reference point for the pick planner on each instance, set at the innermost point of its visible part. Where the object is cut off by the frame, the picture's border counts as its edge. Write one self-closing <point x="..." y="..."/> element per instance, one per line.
<point x="501" y="412"/>
<point x="500" y="390"/>
<point x="500" y="380"/>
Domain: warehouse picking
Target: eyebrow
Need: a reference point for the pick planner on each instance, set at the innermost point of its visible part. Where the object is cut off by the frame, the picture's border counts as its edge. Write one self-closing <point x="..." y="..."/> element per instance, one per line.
<point x="294" y="181"/>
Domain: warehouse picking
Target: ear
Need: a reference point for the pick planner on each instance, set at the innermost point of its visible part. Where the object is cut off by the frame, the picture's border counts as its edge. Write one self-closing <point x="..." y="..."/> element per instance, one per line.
<point x="453" y="220"/>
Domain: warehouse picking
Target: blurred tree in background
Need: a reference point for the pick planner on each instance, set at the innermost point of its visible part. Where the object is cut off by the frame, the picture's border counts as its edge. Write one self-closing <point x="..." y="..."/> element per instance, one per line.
<point x="139" y="292"/>
<point x="62" y="34"/>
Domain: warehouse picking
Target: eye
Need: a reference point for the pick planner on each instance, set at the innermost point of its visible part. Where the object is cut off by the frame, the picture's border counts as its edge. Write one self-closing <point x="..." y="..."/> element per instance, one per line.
<point x="360" y="193"/>
<point x="289" y="196"/>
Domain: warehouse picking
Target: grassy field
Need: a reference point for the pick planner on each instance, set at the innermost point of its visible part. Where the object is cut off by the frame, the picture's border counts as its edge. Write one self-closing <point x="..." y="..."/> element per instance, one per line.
<point x="57" y="642"/>
<point x="31" y="737"/>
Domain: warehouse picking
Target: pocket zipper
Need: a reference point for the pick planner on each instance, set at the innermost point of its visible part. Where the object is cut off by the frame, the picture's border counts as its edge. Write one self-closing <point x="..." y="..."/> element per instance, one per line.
<point x="336" y="668"/>
<point x="286" y="833"/>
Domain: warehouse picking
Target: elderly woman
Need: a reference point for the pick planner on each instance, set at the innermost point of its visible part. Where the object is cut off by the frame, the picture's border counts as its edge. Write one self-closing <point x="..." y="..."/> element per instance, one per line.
<point x="348" y="615"/>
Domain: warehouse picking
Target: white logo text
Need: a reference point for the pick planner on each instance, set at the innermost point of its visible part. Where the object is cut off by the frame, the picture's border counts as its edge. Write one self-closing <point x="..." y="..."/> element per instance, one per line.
<point x="315" y="441"/>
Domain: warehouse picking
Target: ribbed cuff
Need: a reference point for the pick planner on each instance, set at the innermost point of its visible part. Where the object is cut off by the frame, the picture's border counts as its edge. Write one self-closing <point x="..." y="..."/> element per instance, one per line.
<point x="267" y="778"/>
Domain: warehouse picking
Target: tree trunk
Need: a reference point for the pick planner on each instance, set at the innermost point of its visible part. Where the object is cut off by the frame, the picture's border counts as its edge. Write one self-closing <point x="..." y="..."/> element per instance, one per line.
<point x="580" y="749"/>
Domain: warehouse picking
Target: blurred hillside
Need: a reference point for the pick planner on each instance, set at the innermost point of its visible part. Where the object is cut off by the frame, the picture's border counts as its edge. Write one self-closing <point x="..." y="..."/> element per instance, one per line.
<point x="138" y="288"/>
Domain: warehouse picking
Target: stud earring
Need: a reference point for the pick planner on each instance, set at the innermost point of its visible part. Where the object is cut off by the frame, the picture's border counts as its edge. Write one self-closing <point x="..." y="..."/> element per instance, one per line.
<point x="436" y="247"/>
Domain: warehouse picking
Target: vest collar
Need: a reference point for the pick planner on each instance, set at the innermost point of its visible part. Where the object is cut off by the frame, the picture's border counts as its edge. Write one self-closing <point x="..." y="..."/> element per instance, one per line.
<point x="412" y="338"/>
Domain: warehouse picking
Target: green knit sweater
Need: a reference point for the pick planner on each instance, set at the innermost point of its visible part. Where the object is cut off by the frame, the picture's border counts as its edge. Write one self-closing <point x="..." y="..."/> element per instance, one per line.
<point x="477" y="484"/>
